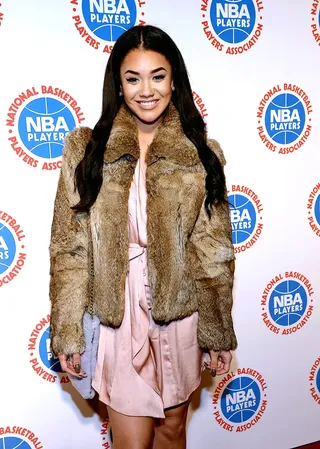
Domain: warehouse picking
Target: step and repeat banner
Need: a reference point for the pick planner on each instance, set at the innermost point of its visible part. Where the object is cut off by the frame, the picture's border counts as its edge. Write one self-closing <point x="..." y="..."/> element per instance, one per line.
<point x="254" y="66"/>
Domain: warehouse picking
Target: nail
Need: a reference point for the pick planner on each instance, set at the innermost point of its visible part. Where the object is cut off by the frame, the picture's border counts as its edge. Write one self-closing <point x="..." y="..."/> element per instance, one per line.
<point x="213" y="372"/>
<point x="77" y="368"/>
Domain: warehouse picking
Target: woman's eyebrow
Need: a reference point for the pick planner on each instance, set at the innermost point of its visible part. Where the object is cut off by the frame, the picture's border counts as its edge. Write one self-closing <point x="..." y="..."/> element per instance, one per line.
<point x="152" y="71"/>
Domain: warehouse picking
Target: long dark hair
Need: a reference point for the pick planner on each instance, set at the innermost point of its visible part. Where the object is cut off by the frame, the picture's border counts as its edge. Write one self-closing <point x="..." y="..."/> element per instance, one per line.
<point x="88" y="174"/>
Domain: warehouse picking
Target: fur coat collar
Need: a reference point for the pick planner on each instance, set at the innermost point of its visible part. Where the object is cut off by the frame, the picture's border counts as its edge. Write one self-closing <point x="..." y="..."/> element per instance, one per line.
<point x="169" y="141"/>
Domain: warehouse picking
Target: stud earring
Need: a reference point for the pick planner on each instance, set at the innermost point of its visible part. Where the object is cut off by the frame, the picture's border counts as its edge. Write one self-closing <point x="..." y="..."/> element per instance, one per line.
<point x="173" y="88"/>
<point x="120" y="93"/>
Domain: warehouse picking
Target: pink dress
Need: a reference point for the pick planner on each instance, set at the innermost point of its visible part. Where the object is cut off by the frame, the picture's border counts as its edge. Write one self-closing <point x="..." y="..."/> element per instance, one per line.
<point x="144" y="368"/>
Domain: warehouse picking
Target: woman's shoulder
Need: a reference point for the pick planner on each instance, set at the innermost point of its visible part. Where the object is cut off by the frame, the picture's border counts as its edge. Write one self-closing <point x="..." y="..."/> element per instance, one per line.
<point x="215" y="146"/>
<point x="75" y="145"/>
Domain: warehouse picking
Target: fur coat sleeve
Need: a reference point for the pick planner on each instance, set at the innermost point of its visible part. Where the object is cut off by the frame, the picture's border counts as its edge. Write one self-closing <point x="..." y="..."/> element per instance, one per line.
<point x="69" y="274"/>
<point x="212" y="239"/>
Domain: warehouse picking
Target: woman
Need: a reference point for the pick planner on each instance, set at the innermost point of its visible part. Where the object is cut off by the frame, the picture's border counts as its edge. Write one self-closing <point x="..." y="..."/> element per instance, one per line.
<point x="152" y="190"/>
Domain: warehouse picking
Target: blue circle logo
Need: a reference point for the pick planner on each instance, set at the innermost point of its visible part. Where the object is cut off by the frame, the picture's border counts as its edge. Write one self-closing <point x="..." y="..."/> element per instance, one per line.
<point x="243" y="218"/>
<point x="108" y="19"/>
<point x="13" y="443"/>
<point x="317" y="210"/>
<point x="318" y="380"/>
<point x="288" y="303"/>
<point x="43" y="125"/>
<point x="285" y="118"/>
<point x="240" y="399"/>
<point x="7" y="248"/>
<point x="46" y="356"/>
<point x="233" y="20"/>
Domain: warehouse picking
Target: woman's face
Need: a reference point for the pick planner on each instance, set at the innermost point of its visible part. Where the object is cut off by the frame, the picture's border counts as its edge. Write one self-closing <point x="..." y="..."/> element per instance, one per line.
<point x="146" y="79"/>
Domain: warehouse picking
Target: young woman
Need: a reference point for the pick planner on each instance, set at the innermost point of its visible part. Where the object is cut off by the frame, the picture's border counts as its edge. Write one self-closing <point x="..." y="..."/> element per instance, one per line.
<point x="152" y="189"/>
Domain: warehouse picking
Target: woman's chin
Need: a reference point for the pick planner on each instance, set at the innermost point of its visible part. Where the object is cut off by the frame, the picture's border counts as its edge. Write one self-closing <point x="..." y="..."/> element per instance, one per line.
<point x="149" y="117"/>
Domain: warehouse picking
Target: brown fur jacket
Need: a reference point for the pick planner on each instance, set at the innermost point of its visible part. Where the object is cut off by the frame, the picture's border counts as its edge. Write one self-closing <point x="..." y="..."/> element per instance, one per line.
<point x="189" y="256"/>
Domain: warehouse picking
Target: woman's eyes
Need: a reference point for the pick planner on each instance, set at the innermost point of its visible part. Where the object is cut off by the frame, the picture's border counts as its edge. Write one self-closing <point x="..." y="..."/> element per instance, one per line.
<point x="159" y="77"/>
<point x="133" y="80"/>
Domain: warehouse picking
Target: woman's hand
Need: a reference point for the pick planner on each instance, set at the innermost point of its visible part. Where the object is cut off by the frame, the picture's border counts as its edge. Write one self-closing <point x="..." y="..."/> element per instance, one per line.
<point x="219" y="362"/>
<point x="72" y="365"/>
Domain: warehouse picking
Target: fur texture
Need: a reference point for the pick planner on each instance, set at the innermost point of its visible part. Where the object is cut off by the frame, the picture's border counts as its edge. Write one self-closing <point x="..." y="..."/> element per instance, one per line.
<point x="189" y="256"/>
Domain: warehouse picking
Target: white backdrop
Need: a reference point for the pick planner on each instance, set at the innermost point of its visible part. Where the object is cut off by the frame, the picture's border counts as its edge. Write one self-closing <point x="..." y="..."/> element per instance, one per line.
<point x="253" y="66"/>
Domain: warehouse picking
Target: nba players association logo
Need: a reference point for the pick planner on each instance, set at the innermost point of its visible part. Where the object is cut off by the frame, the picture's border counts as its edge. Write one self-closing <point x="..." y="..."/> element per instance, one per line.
<point x="38" y="121"/>
<point x="12" y="248"/>
<point x="313" y="207"/>
<point x="14" y="437"/>
<point x="246" y="217"/>
<point x="232" y="26"/>
<point x="315" y="20"/>
<point x="42" y="360"/>
<point x="287" y="303"/>
<point x="284" y="118"/>
<point x="240" y="400"/>
<point x="314" y="379"/>
<point x="101" y="22"/>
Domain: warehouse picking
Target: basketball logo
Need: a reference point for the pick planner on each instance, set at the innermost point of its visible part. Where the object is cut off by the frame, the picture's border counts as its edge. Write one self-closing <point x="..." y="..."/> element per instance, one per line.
<point x="42" y="360"/>
<point x="101" y="22"/>
<point x="51" y="362"/>
<point x="38" y="121"/>
<point x="12" y="248"/>
<point x="317" y="209"/>
<point x="14" y="443"/>
<point x="232" y="26"/>
<point x="287" y="303"/>
<point x="240" y="400"/>
<point x="313" y="207"/>
<point x="284" y="116"/>
<point x="314" y="381"/>
<point x="7" y="248"/>
<point x="315" y="20"/>
<point x="43" y="125"/>
<point x="14" y="437"/>
<point x="246" y="217"/>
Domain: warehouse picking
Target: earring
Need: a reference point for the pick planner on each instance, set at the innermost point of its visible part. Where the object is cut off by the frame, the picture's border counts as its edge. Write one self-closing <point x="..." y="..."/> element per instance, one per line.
<point x="173" y="88"/>
<point x="120" y="94"/>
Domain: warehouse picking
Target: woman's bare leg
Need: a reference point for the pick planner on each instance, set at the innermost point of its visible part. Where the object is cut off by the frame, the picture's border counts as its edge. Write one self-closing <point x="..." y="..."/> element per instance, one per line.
<point x="170" y="432"/>
<point x="131" y="432"/>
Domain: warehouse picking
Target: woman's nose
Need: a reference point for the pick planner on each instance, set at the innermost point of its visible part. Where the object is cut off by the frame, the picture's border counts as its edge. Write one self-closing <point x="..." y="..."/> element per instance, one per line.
<point x="146" y="89"/>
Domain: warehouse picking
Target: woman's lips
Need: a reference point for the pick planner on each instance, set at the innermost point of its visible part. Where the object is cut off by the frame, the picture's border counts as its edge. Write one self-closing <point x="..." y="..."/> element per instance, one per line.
<point x="147" y="104"/>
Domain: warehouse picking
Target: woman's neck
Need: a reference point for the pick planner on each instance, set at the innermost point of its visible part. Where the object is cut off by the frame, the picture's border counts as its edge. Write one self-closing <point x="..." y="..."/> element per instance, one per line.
<point x="146" y="134"/>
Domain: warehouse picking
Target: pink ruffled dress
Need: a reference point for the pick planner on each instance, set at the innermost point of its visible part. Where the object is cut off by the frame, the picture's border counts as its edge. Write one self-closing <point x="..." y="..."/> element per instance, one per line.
<point x="144" y="368"/>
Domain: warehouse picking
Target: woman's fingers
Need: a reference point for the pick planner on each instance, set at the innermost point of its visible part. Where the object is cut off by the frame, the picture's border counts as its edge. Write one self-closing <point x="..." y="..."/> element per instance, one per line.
<point x="63" y="359"/>
<point x="214" y="361"/>
<point x="219" y="362"/>
<point x="70" y="365"/>
<point x="225" y="358"/>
